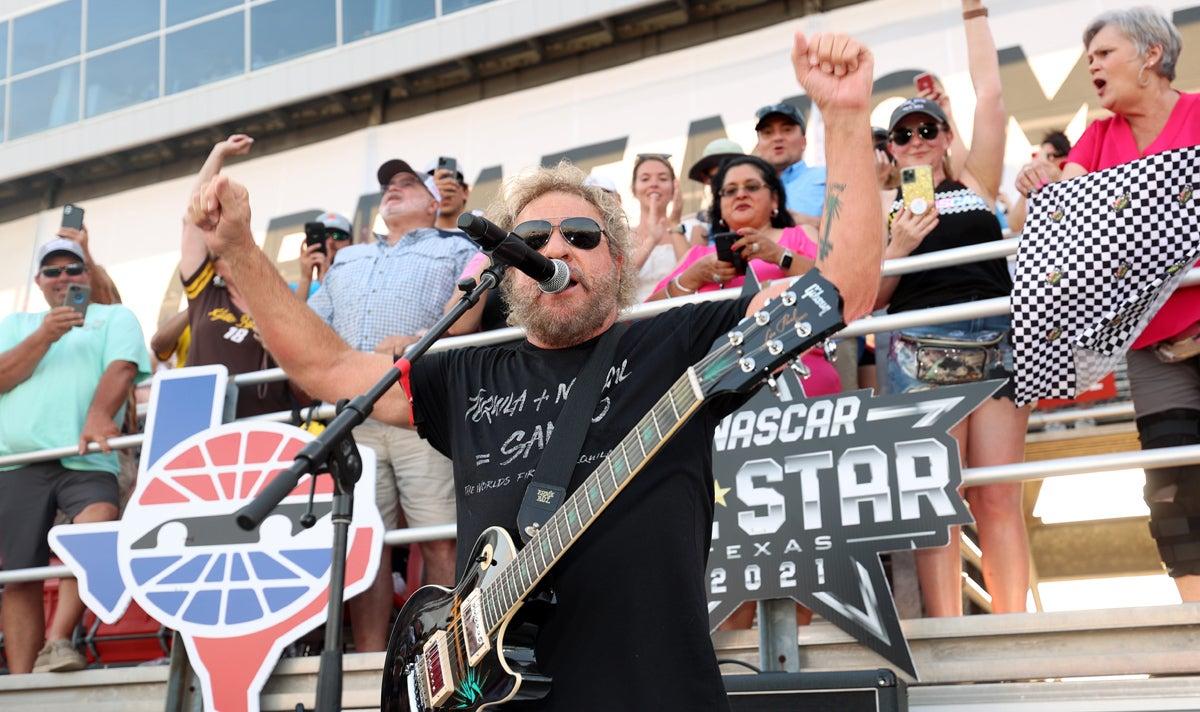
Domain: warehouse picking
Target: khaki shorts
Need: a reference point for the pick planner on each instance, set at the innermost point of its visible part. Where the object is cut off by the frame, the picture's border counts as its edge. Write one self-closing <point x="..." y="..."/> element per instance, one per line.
<point x="408" y="473"/>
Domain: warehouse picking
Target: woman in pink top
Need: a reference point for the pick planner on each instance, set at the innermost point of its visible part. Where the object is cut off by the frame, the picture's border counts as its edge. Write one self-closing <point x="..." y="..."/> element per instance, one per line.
<point x="1132" y="56"/>
<point x="750" y="202"/>
<point x="749" y="199"/>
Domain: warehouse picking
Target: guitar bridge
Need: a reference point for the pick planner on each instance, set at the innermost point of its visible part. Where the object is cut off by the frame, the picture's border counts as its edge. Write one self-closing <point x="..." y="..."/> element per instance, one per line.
<point x="474" y="632"/>
<point x="438" y="675"/>
<point x="416" y="685"/>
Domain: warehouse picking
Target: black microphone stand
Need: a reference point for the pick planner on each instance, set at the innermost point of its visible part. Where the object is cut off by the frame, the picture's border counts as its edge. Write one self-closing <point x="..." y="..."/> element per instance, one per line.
<point x="334" y="451"/>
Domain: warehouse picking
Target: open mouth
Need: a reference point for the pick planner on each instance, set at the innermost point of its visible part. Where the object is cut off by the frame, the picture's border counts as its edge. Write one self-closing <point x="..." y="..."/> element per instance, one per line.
<point x="1099" y="84"/>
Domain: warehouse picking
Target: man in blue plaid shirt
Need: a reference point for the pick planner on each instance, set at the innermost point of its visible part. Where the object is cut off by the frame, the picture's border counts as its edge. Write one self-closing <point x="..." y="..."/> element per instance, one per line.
<point x="379" y="297"/>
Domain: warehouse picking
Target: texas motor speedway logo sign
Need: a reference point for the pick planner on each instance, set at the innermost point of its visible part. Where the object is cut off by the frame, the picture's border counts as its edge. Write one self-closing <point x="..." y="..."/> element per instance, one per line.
<point x="810" y="492"/>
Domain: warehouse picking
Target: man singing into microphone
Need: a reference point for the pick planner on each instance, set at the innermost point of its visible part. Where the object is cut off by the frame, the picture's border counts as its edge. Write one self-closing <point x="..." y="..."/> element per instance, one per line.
<point x="630" y="629"/>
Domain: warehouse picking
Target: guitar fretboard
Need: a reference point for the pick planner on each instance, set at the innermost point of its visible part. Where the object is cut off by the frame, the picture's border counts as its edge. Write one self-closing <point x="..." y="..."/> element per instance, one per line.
<point x="580" y="509"/>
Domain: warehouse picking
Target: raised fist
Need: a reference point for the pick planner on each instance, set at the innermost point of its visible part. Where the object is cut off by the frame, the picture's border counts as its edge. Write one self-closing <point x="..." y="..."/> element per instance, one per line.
<point x="835" y="71"/>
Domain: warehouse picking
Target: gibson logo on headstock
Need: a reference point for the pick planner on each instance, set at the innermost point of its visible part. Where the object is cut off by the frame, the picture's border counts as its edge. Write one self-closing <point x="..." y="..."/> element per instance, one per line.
<point x="816" y="295"/>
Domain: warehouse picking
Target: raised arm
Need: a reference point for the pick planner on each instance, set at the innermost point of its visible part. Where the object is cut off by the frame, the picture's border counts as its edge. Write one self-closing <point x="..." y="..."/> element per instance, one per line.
<point x="192" y="248"/>
<point x="306" y="347"/>
<point x="104" y="291"/>
<point x="837" y="72"/>
<point x="985" y="160"/>
<point x="164" y="341"/>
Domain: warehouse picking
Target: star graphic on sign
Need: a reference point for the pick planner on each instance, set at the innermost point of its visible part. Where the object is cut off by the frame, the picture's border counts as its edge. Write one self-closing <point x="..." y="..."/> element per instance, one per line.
<point x="719" y="493"/>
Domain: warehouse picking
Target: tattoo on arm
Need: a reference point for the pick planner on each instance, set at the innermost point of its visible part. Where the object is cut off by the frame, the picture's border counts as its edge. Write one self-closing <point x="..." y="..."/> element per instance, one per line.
<point x="833" y="206"/>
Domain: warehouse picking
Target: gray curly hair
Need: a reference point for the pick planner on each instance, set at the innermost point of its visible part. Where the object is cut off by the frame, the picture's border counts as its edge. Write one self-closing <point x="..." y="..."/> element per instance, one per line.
<point x="567" y="178"/>
<point x="1145" y="27"/>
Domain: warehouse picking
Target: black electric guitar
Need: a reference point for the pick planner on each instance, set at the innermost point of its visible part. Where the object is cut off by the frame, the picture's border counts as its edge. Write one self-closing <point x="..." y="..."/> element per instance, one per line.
<point x="471" y="648"/>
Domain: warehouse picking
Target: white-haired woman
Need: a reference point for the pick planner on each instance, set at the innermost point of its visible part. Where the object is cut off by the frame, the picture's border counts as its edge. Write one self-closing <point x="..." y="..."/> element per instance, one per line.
<point x="1132" y="55"/>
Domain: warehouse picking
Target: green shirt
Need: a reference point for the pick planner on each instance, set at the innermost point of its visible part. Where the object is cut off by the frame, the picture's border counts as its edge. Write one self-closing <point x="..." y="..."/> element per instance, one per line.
<point x="47" y="410"/>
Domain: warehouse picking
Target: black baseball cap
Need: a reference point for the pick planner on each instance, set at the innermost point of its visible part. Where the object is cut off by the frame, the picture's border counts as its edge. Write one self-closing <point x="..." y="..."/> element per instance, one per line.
<point x="784" y="109"/>
<point x="917" y="105"/>
<point x="388" y="170"/>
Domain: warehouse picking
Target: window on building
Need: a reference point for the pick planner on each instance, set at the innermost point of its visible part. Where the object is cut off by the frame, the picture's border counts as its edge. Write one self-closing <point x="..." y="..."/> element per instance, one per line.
<point x="284" y="29"/>
<point x="44" y="101"/>
<point x="3" y="52"/>
<point x="113" y="21"/>
<point x="363" y="18"/>
<point x="3" y="93"/>
<point x="46" y="36"/>
<point x="183" y="10"/>
<point x="205" y="53"/>
<point x="449" y="6"/>
<point x="120" y="78"/>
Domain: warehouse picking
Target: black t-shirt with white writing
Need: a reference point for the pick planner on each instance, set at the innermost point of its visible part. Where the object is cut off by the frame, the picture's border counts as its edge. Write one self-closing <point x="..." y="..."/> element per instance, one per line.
<point x="630" y="629"/>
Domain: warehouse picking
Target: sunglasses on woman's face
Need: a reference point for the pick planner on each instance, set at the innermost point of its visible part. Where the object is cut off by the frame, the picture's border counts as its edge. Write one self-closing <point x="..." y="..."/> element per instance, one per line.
<point x="927" y="132"/>
<point x="73" y="270"/>
<point x="583" y="233"/>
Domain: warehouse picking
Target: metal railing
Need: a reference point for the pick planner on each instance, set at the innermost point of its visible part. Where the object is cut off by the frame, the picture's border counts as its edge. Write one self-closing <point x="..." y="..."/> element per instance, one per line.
<point x="1016" y="472"/>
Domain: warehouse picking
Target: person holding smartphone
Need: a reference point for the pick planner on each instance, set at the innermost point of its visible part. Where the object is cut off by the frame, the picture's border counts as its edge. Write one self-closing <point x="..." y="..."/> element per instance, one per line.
<point x="65" y="375"/>
<point x="451" y="182"/>
<point x="959" y="214"/>
<point x="334" y="233"/>
<point x="751" y="217"/>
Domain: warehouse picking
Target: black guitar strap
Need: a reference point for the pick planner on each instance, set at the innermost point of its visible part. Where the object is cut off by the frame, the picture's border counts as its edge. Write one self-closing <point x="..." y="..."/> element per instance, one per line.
<point x="548" y="489"/>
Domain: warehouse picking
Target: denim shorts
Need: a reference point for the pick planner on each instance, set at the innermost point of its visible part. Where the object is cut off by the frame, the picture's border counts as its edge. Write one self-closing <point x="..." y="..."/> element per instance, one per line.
<point x="902" y="355"/>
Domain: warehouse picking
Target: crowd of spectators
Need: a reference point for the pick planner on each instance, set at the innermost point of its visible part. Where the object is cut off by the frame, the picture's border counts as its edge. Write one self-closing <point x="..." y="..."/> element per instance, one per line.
<point x="65" y="375"/>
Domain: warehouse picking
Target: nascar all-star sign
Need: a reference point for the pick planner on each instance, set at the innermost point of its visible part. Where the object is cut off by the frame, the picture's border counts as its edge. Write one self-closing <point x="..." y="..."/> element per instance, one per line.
<point x="810" y="492"/>
<point x="236" y="597"/>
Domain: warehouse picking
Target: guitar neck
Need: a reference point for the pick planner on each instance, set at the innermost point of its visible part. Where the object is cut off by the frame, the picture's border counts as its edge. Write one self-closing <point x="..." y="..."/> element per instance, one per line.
<point x="591" y="498"/>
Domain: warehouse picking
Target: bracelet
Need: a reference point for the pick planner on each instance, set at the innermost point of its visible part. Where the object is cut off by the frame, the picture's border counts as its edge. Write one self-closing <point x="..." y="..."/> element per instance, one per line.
<point x="977" y="12"/>
<point x="675" y="283"/>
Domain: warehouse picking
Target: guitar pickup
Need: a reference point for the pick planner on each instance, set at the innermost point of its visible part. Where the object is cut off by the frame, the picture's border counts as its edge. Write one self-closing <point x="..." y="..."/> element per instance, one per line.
<point x="474" y="630"/>
<point x="439" y="676"/>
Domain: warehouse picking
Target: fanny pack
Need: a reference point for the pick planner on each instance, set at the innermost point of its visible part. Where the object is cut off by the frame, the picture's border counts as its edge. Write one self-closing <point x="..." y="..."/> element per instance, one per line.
<point x="944" y="361"/>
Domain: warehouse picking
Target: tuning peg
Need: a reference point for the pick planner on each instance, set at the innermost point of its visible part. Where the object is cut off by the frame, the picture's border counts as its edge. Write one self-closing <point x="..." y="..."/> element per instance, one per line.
<point x="774" y="347"/>
<point x="803" y="329"/>
<point x="774" y="386"/>
<point x="747" y="364"/>
<point x="735" y="338"/>
<point x="761" y="317"/>
<point x="788" y="298"/>
<point x="800" y="368"/>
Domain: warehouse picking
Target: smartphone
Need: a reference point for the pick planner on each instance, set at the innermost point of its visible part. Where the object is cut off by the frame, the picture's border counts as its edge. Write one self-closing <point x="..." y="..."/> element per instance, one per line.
<point x="78" y="296"/>
<point x="72" y="217"/>
<point x="314" y="236"/>
<point x="447" y="163"/>
<point x="916" y="187"/>
<point x="924" y="82"/>
<point x="724" y="242"/>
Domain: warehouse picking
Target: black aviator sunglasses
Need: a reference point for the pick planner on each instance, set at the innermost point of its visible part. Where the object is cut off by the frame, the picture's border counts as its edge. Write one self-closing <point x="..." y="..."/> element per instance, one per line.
<point x="73" y="270"/>
<point x="927" y="132"/>
<point x="583" y="233"/>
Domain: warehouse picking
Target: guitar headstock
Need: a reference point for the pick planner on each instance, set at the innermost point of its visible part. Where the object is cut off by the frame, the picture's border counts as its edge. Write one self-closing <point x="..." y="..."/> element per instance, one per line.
<point x="809" y="310"/>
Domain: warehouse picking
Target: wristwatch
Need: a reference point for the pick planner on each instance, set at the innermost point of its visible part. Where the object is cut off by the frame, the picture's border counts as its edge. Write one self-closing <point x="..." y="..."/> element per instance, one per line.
<point x="785" y="262"/>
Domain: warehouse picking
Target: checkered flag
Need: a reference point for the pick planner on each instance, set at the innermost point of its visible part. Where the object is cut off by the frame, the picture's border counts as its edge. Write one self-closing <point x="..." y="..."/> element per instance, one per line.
<point x="1099" y="255"/>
